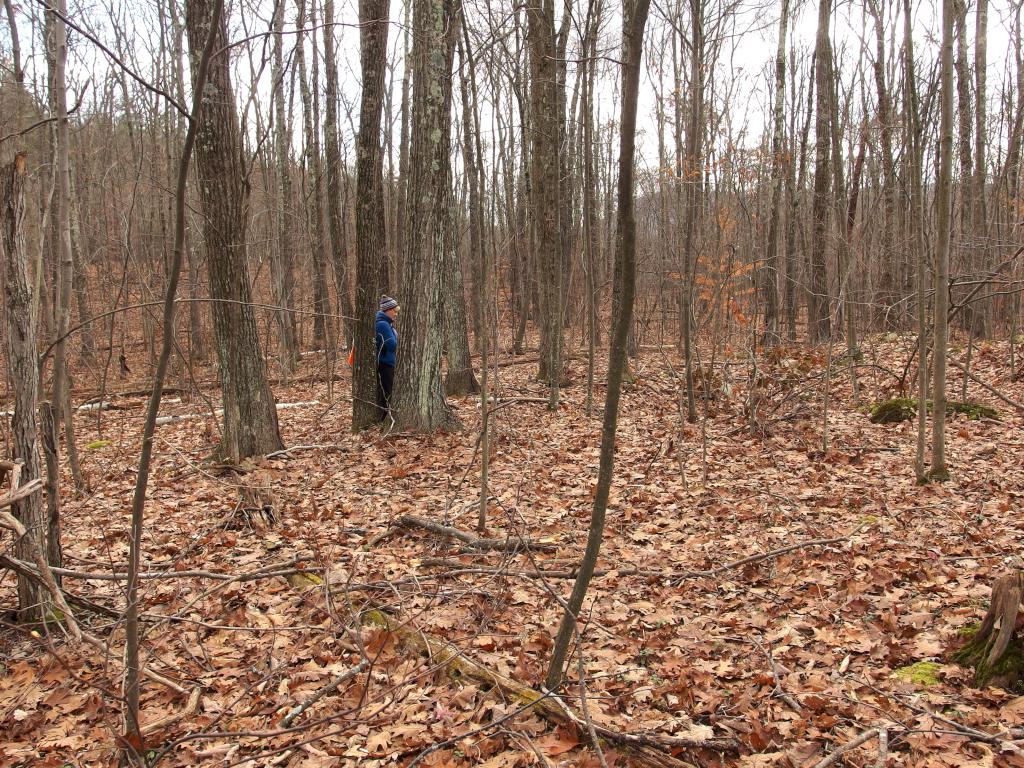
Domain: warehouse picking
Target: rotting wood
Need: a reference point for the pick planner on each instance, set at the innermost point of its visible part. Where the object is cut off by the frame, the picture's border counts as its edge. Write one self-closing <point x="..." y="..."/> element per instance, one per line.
<point x="476" y="542"/>
<point x="651" y="748"/>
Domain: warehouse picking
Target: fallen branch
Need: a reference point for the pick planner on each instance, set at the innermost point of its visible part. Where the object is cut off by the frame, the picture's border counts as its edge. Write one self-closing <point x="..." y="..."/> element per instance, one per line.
<point x="297" y="448"/>
<point x="165" y="722"/>
<point x="850" y="745"/>
<point x="652" y="748"/>
<point x="647" y="572"/>
<point x="987" y="387"/>
<point x="336" y="683"/>
<point x="476" y="542"/>
<point x="161" y="420"/>
<point x="267" y="572"/>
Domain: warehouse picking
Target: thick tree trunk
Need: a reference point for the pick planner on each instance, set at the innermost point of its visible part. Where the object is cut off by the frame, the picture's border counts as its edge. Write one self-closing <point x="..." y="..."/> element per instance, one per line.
<point x="419" y="397"/>
<point x="371" y="263"/>
<point x="250" y="414"/>
<point x="33" y="600"/>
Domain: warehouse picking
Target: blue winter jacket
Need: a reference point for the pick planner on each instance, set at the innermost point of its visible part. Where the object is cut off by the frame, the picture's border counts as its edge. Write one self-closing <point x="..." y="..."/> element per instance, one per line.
<point x="385" y="340"/>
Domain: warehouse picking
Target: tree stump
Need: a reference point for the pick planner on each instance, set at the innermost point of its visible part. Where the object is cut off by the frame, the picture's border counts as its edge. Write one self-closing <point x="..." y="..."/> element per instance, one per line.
<point x="995" y="649"/>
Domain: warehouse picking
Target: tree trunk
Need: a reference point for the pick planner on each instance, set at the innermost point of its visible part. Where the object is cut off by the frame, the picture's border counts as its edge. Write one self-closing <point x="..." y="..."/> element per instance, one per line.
<point x="33" y="600"/>
<point x="419" y="397"/>
<point x="61" y="212"/>
<point x="545" y="196"/>
<point x="250" y="414"/>
<point x="282" y="259"/>
<point x="779" y="164"/>
<point x="889" y="297"/>
<point x="944" y="216"/>
<point x="371" y="263"/>
<point x="818" y="312"/>
<point x="634" y="20"/>
<point x="335" y="169"/>
<point x="311" y="136"/>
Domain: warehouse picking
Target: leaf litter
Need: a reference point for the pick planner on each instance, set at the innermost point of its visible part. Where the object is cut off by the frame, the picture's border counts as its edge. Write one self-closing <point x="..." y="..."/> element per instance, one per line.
<point x="793" y="655"/>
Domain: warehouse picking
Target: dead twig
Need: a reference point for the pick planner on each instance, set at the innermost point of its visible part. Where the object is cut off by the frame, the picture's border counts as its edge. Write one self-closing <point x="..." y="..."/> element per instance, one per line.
<point x="476" y="542"/>
<point x="336" y="683"/>
<point x="850" y="745"/>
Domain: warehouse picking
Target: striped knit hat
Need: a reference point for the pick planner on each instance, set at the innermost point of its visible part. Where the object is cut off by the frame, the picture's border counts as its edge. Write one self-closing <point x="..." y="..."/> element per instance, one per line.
<point x="386" y="303"/>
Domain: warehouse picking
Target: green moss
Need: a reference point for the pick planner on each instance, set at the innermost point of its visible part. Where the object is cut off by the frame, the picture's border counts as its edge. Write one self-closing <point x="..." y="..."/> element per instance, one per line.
<point x="972" y="411"/>
<point x="899" y="409"/>
<point x="923" y="673"/>
<point x="894" y="410"/>
<point x="1007" y="672"/>
<point x="303" y="580"/>
<point x="97" y="444"/>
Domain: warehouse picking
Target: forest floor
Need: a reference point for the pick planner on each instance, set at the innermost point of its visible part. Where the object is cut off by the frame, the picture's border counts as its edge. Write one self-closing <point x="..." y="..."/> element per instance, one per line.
<point x="792" y="656"/>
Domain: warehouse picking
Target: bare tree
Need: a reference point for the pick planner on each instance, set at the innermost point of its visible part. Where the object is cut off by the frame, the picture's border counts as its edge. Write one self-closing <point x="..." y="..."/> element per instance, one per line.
<point x="545" y="194"/>
<point x="944" y="221"/>
<point x="335" y="170"/>
<point x="250" y="413"/>
<point x="779" y="164"/>
<point x="371" y="263"/>
<point x="634" y="19"/>
<point x="818" y="314"/>
<point x="33" y="600"/>
<point x="419" y="397"/>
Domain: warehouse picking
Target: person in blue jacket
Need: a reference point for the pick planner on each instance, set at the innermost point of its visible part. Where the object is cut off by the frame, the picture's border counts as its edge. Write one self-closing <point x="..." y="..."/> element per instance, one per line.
<point x="385" y="345"/>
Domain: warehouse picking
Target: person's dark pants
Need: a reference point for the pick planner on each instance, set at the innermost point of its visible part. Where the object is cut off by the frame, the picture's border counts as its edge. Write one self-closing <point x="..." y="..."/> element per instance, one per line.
<point x="385" y="381"/>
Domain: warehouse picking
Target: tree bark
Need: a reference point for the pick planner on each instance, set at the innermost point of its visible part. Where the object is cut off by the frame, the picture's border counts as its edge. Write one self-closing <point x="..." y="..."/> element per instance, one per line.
<point x="314" y="171"/>
<point x="250" y="415"/>
<point x="33" y="601"/>
<point x="371" y="263"/>
<point x="282" y="259"/>
<point x="634" y="20"/>
<point x="779" y="165"/>
<point x="335" y="169"/>
<point x="944" y="216"/>
<point x="419" y="397"/>
<point x="818" y="313"/>
<point x="545" y="195"/>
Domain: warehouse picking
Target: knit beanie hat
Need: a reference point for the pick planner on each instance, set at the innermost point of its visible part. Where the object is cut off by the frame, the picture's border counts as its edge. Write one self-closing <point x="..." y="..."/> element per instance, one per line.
<point x="386" y="303"/>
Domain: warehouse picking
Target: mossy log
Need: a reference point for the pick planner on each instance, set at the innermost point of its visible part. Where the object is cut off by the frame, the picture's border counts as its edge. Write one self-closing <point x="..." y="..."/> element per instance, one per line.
<point x="994" y="649"/>
<point x="898" y="409"/>
<point x="654" y="749"/>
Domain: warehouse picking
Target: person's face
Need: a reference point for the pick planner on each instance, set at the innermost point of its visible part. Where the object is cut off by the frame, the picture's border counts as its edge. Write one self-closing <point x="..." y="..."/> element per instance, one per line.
<point x="392" y="313"/>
